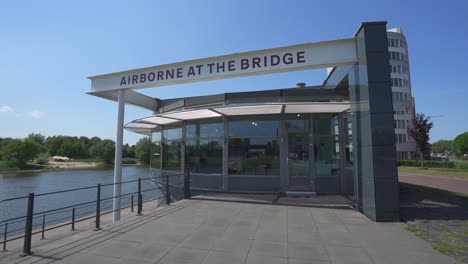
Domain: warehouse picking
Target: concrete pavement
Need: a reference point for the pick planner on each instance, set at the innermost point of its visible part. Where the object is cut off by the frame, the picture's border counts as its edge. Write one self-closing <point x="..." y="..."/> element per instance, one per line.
<point x="439" y="182"/>
<point x="201" y="231"/>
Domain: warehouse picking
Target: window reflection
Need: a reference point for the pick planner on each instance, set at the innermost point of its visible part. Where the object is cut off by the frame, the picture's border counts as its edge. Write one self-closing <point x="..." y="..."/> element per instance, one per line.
<point x="204" y="156"/>
<point x="253" y="127"/>
<point x="171" y="156"/>
<point x="326" y="145"/>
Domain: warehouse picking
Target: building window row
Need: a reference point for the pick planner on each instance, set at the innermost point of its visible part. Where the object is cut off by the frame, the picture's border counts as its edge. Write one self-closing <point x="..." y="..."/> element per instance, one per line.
<point x="395" y="55"/>
<point x="401" y="123"/>
<point x="396" y="43"/>
<point x="400" y="96"/>
<point x="397" y="82"/>
<point x="401" y="112"/>
<point x="401" y="138"/>
<point x="398" y="69"/>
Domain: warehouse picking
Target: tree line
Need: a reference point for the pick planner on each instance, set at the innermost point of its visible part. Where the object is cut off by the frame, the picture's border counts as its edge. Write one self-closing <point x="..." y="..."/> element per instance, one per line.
<point x="40" y="147"/>
<point x="457" y="146"/>
<point x="422" y="126"/>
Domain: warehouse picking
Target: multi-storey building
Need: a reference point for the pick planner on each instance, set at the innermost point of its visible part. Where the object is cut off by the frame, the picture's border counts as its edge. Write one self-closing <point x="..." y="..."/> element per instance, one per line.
<point x="403" y="99"/>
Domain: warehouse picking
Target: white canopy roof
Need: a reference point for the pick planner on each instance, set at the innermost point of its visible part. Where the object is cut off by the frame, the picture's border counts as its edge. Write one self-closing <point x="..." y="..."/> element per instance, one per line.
<point x="147" y="124"/>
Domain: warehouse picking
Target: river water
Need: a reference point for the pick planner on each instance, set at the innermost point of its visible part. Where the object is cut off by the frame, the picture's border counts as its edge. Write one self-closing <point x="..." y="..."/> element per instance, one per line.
<point x="20" y="184"/>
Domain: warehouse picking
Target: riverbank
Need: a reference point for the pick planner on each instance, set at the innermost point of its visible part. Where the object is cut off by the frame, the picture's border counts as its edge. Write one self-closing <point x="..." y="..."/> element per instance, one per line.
<point x="53" y="165"/>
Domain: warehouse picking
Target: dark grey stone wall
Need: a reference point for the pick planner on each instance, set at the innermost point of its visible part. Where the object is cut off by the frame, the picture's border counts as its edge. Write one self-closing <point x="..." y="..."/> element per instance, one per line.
<point x="373" y="132"/>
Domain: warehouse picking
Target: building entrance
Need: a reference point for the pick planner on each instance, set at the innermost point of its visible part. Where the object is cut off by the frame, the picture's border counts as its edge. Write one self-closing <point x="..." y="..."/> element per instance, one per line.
<point x="299" y="161"/>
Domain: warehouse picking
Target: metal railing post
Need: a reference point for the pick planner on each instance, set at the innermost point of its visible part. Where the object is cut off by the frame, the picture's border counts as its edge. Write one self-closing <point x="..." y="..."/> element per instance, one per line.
<point x="132" y="203"/>
<point x="28" y="226"/>
<point x="98" y="208"/>
<point x="168" y="195"/>
<point x="73" y="219"/>
<point x="187" y="185"/>
<point x="5" y="237"/>
<point x="43" y="227"/>
<point x="140" y="198"/>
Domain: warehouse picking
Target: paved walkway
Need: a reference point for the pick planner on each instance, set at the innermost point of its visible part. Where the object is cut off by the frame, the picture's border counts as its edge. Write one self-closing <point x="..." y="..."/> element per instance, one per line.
<point x="439" y="182"/>
<point x="202" y="231"/>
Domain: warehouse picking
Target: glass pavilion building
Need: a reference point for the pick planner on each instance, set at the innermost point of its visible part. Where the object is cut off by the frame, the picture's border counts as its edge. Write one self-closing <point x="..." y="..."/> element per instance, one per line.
<point x="334" y="138"/>
<point x="265" y="141"/>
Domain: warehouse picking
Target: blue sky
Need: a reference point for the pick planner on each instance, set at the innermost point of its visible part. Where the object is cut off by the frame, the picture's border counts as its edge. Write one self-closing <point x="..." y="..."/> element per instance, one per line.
<point x="48" y="48"/>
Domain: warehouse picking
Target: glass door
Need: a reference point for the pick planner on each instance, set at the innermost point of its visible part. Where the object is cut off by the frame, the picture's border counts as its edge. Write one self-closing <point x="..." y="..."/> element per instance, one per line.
<point x="299" y="160"/>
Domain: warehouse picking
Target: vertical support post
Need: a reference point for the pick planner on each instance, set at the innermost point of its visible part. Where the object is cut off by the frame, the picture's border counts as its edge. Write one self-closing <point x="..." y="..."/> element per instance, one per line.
<point x="98" y="208"/>
<point x="187" y="184"/>
<point x="225" y="176"/>
<point x="132" y="203"/>
<point x="73" y="219"/>
<point x="43" y="227"/>
<point x="168" y="195"/>
<point x="5" y="236"/>
<point x="28" y="226"/>
<point x="140" y="198"/>
<point x="342" y="147"/>
<point x="370" y="90"/>
<point x="118" y="157"/>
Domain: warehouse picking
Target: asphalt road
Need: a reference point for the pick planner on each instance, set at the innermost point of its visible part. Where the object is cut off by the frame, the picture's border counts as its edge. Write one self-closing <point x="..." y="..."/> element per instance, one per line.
<point x="439" y="182"/>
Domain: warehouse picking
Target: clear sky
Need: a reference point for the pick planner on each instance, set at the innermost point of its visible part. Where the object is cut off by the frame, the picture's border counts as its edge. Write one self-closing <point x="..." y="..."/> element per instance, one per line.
<point x="48" y="48"/>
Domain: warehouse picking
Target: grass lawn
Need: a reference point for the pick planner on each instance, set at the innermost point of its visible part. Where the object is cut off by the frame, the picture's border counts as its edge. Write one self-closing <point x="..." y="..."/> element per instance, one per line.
<point x="455" y="173"/>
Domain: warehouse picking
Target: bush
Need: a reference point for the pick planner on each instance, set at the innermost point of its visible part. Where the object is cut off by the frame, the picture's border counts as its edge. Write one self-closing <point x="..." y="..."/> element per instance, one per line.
<point x="463" y="165"/>
<point x="435" y="164"/>
<point x="42" y="159"/>
<point x="19" y="151"/>
<point x="128" y="161"/>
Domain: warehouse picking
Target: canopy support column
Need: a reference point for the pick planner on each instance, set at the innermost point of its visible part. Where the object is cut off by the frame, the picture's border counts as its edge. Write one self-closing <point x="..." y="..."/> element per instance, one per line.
<point x="118" y="156"/>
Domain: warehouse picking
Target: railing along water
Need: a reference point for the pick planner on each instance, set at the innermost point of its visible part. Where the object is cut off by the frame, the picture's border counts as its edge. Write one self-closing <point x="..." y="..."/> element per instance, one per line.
<point x="170" y="186"/>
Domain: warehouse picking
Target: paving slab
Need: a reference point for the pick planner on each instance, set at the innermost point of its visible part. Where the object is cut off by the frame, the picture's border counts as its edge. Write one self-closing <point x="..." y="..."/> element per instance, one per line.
<point x="215" y="231"/>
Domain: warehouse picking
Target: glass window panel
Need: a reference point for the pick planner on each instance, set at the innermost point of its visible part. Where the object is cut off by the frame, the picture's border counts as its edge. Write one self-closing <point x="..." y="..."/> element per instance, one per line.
<point x="156" y="155"/>
<point x="299" y="121"/>
<point x="253" y="127"/>
<point x="172" y="133"/>
<point x="171" y="156"/>
<point x="211" y="130"/>
<point x="327" y="157"/>
<point x="326" y="125"/>
<point x="205" y="156"/>
<point x="205" y="129"/>
<point x="253" y="156"/>
<point x="156" y="136"/>
<point x="191" y="131"/>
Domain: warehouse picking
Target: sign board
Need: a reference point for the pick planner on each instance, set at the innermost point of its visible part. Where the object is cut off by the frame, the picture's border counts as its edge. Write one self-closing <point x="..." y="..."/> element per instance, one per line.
<point x="291" y="58"/>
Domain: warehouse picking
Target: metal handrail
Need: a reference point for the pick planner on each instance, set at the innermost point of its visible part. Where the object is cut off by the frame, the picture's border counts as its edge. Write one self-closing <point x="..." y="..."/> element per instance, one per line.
<point x="29" y="218"/>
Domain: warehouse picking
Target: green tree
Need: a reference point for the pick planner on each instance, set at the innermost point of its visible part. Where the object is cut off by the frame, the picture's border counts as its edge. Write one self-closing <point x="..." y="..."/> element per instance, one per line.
<point x="460" y="144"/>
<point x="104" y="150"/>
<point x="19" y="151"/>
<point x="143" y="150"/>
<point x="420" y="133"/>
<point x="39" y="138"/>
<point x="128" y="151"/>
<point x="53" y="144"/>
<point x="442" y="146"/>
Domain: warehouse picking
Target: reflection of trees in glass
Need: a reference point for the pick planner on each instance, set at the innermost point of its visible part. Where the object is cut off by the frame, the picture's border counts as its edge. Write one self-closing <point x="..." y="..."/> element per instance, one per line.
<point x="205" y="156"/>
<point x="171" y="155"/>
<point x="156" y="155"/>
<point x="254" y="156"/>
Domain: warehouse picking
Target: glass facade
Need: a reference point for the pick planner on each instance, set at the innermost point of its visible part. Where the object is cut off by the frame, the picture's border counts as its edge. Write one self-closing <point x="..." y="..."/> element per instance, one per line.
<point x="326" y="145"/>
<point x="257" y="153"/>
<point x="253" y="147"/>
